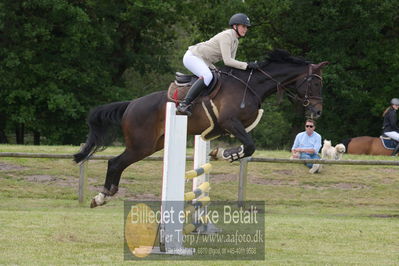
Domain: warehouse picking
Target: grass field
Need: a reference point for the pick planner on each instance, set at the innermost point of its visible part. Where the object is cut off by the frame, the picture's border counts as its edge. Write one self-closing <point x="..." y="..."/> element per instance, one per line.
<point x="344" y="215"/>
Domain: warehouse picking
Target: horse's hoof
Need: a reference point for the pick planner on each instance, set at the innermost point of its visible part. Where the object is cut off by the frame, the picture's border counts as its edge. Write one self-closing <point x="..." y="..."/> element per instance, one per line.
<point x="214" y="154"/>
<point x="93" y="203"/>
<point x="217" y="154"/>
<point x="98" y="200"/>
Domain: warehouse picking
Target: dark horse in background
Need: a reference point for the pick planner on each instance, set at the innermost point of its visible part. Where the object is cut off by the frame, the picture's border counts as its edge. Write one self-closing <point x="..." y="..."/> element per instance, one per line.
<point x="237" y="102"/>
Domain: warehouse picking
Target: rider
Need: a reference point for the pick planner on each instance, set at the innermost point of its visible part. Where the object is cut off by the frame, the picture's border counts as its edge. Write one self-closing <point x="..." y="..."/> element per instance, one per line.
<point x="223" y="46"/>
<point x="390" y="127"/>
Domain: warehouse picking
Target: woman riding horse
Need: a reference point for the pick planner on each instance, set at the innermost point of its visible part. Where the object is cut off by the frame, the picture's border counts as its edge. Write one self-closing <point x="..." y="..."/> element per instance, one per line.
<point x="142" y="120"/>
<point x="374" y="146"/>
<point x="390" y="127"/>
<point x="200" y="57"/>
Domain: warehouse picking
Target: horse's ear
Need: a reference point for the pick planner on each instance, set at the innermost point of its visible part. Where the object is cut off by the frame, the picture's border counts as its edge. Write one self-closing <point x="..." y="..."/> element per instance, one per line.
<point x="319" y="65"/>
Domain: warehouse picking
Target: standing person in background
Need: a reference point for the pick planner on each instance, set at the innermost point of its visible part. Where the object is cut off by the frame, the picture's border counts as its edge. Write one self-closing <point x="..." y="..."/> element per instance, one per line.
<point x="223" y="46"/>
<point x="390" y="127"/>
<point x="308" y="144"/>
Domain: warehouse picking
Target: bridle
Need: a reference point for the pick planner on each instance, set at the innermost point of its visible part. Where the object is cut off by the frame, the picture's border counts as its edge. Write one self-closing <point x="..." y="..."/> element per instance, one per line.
<point x="282" y="87"/>
<point x="307" y="78"/>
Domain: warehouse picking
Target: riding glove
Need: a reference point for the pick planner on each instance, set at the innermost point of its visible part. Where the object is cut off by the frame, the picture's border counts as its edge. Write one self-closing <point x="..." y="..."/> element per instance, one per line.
<point x="252" y="65"/>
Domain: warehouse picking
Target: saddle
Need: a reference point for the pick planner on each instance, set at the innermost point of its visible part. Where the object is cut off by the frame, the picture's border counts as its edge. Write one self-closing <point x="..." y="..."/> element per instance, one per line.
<point x="389" y="143"/>
<point x="179" y="87"/>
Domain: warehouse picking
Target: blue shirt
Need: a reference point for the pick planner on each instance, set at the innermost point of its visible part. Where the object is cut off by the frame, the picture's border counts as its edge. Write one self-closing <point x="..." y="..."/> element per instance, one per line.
<point x="304" y="141"/>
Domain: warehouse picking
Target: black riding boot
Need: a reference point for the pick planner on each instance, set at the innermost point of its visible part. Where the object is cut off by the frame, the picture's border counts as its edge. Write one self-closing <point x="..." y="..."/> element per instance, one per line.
<point x="185" y="106"/>
<point x="395" y="150"/>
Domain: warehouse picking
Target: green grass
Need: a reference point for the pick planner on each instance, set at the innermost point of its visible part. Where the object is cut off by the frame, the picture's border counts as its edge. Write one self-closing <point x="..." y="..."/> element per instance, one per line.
<point x="344" y="215"/>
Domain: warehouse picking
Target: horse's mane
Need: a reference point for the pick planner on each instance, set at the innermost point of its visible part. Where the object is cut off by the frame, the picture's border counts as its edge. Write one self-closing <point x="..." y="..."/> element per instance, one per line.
<point x="282" y="56"/>
<point x="277" y="56"/>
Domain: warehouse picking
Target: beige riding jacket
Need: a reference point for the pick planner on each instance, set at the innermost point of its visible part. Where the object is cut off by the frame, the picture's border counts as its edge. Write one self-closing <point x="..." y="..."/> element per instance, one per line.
<point x="223" y="46"/>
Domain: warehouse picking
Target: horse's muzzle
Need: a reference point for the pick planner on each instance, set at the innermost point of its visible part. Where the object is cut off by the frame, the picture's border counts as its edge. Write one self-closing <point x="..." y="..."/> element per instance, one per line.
<point x="313" y="113"/>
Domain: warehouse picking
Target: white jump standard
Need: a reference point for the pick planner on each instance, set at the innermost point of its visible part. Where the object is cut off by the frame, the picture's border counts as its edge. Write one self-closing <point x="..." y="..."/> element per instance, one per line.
<point x="173" y="183"/>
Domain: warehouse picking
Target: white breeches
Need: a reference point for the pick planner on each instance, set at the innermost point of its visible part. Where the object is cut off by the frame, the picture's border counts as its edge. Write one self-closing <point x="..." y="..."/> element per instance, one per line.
<point x="393" y="135"/>
<point x="198" y="67"/>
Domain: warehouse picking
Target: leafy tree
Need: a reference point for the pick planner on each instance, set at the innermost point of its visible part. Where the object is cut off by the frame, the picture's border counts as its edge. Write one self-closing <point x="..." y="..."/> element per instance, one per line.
<point x="60" y="58"/>
<point x="57" y="55"/>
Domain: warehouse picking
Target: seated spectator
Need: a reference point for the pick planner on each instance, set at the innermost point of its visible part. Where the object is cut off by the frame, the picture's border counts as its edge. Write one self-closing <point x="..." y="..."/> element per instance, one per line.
<point x="308" y="144"/>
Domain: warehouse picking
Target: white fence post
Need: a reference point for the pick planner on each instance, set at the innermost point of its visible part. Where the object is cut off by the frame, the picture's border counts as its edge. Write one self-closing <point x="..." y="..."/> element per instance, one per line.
<point x="83" y="186"/>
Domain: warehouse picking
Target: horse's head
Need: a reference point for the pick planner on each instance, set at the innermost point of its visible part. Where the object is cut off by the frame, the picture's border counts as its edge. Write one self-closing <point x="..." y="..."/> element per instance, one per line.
<point x="299" y="79"/>
<point x="309" y="90"/>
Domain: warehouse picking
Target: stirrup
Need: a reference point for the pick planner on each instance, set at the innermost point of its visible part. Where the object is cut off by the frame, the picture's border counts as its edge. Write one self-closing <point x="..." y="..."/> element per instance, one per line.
<point x="184" y="109"/>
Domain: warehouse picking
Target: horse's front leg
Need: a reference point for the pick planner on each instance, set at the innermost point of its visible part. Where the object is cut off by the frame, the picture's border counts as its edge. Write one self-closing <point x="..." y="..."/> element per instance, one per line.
<point x="237" y="129"/>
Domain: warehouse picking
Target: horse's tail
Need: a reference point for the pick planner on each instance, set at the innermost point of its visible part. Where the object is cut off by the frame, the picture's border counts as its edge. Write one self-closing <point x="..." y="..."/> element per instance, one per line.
<point x="346" y="143"/>
<point x="104" y="122"/>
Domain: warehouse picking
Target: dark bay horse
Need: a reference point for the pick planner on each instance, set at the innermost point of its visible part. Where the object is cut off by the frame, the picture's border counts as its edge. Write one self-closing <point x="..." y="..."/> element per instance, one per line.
<point x="237" y="102"/>
<point x="366" y="145"/>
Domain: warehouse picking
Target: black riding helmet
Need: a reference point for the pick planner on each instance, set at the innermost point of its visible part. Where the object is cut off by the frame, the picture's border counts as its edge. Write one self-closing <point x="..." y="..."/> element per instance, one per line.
<point x="240" y="18"/>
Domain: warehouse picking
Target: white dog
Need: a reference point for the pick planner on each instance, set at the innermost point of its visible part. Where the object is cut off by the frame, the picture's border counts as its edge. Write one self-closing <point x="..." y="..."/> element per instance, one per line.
<point x="339" y="151"/>
<point x="332" y="153"/>
<point x="328" y="151"/>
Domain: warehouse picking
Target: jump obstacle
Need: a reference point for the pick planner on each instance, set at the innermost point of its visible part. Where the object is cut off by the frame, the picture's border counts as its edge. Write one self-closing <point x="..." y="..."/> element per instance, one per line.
<point x="173" y="183"/>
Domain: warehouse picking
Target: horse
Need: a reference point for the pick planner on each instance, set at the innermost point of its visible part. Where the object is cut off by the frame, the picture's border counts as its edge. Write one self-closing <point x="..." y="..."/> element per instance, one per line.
<point x="366" y="145"/>
<point x="235" y="108"/>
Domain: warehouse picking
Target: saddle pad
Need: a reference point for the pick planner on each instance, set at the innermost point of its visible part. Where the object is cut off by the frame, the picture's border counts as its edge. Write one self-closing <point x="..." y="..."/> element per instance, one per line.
<point x="389" y="144"/>
<point x="177" y="93"/>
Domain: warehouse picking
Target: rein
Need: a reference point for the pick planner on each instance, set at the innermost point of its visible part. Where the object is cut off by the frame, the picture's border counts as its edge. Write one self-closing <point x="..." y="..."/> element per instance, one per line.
<point x="230" y="74"/>
<point x="242" y="105"/>
<point x="305" y="100"/>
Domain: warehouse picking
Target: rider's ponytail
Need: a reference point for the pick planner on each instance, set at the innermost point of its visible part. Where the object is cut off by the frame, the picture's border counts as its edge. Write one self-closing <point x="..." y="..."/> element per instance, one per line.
<point x="386" y="111"/>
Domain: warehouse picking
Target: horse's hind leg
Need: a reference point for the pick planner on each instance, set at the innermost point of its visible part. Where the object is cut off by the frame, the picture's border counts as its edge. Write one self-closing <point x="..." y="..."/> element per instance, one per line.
<point x="118" y="164"/>
<point x="114" y="171"/>
<point x="142" y="126"/>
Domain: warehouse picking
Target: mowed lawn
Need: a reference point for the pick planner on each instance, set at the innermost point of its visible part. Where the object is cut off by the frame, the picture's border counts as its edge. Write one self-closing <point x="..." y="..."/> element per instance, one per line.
<point x="344" y="215"/>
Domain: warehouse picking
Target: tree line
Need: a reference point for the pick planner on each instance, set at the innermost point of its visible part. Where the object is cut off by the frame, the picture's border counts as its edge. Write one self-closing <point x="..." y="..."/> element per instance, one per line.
<point x="61" y="58"/>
